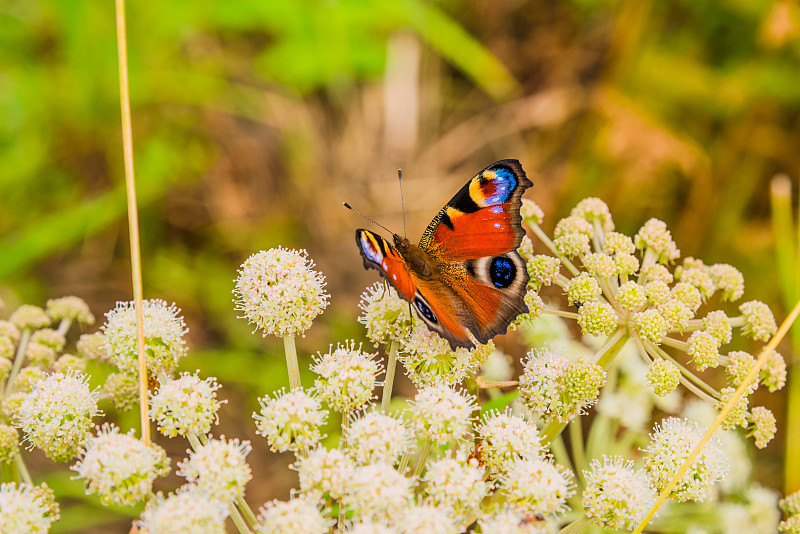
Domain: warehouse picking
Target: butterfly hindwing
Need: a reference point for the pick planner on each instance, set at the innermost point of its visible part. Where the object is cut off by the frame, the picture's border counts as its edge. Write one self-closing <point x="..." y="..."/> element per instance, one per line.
<point x="478" y="232"/>
<point x="437" y="310"/>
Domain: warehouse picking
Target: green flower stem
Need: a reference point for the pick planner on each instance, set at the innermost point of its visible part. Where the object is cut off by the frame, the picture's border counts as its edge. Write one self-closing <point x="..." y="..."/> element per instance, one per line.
<point x="693" y="324"/>
<point x="609" y="290"/>
<point x="598" y="237"/>
<point x="345" y="425"/>
<point x="559" y="313"/>
<point x="291" y="361"/>
<point x="611" y="348"/>
<point x="245" y="509"/>
<point x="194" y="441"/>
<point x="237" y="519"/>
<point x="391" y="364"/>
<point x="549" y="244"/>
<point x="423" y="457"/>
<point x="470" y="516"/>
<point x="576" y="526"/>
<point x="675" y="343"/>
<point x="577" y="446"/>
<point x="401" y="468"/>
<point x="17" y="365"/>
<point x="791" y="470"/>
<point x="643" y="349"/>
<point x="22" y="469"/>
<point x="648" y="260"/>
<point x="560" y="453"/>
<point x="342" y="517"/>
<point x="329" y="507"/>
<point x="63" y="326"/>
<point x="737" y="322"/>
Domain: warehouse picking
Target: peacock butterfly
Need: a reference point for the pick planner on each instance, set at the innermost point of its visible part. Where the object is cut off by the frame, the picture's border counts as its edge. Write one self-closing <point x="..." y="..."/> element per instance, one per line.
<point x="466" y="275"/>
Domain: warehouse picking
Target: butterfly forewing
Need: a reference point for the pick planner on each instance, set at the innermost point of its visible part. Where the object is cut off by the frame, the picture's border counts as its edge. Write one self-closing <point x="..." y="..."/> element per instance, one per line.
<point x="483" y="218"/>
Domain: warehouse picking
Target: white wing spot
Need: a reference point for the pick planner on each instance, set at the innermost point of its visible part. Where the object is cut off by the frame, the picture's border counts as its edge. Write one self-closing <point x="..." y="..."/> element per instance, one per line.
<point x="394" y="277"/>
<point x="497" y="225"/>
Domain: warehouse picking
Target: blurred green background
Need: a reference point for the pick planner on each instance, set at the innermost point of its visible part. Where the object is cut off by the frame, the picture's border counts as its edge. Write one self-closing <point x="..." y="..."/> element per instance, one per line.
<point x="254" y="120"/>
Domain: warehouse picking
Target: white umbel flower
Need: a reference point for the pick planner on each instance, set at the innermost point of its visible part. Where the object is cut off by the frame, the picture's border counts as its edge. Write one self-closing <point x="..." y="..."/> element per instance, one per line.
<point x="187" y="511"/>
<point x="376" y="437"/>
<point x="425" y="518"/>
<point x="616" y="496"/>
<point x="290" y="421"/>
<point x="428" y="358"/>
<point x="537" y="485"/>
<point x="442" y="414"/>
<point x="219" y="468"/>
<point x="164" y="329"/>
<point x="186" y="405"/>
<point x="506" y="437"/>
<point x="56" y="415"/>
<point x="279" y="291"/>
<point x="510" y="520"/>
<point x="296" y="516"/>
<point x="671" y="442"/>
<point x="456" y="484"/>
<point x="346" y="377"/>
<point x="120" y="468"/>
<point x="25" y="510"/>
<point x="557" y="387"/>
<point x="385" y="314"/>
<point x="377" y="491"/>
<point x="324" y="472"/>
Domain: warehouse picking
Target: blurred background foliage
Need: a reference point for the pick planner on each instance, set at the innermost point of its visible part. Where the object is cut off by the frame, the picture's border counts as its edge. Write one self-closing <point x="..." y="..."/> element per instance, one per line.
<point x="253" y="121"/>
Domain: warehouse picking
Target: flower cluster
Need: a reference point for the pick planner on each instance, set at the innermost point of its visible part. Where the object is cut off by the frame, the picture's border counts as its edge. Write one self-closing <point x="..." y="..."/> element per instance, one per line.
<point x="623" y="288"/>
<point x="164" y="330"/>
<point x="456" y="452"/>
<point x="279" y="292"/>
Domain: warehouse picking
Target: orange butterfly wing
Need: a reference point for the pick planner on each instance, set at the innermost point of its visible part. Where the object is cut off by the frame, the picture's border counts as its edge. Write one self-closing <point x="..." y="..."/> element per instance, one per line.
<point x="474" y="280"/>
<point x="473" y="241"/>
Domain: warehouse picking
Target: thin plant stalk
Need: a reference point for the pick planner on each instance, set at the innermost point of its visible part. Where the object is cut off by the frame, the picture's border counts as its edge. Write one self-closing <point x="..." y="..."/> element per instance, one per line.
<point x="391" y="365"/>
<point x="18" y="358"/>
<point x="787" y="259"/>
<point x="740" y="391"/>
<point x="63" y="326"/>
<point x="238" y="520"/>
<point x="576" y="526"/>
<point x="291" y="361"/>
<point x="577" y="445"/>
<point x="22" y="469"/>
<point x="133" y="217"/>
<point x="423" y="457"/>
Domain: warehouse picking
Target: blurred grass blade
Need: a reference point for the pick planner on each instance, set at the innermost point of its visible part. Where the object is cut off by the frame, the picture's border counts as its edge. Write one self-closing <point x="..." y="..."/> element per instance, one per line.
<point x="786" y="242"/>
<point x="62" y="230"/>
<point x="787" y="256"/>
<point x="462" y="49"/>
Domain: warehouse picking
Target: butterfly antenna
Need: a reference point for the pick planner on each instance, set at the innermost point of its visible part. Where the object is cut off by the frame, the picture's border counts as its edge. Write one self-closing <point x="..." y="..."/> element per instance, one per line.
<point x="351" y="208"/>
<point x="402" y="200"/>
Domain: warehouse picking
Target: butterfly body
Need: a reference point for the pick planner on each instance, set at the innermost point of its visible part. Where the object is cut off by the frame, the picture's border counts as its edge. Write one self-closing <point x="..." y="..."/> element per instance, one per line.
<point x="465" y="278"/>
